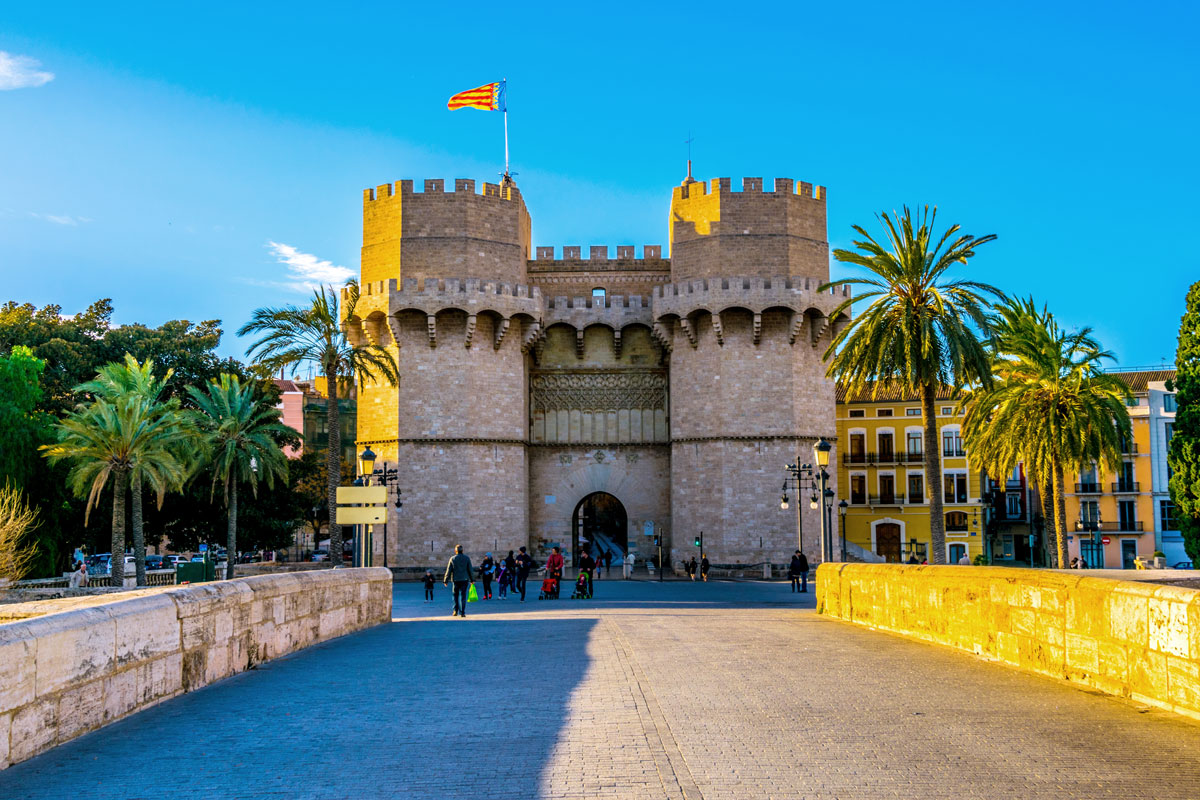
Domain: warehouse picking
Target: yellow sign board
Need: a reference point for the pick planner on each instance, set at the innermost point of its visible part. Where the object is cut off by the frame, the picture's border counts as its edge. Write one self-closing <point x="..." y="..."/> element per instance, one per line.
<point x="361" y="515"/>
<point x="361" y="494"/>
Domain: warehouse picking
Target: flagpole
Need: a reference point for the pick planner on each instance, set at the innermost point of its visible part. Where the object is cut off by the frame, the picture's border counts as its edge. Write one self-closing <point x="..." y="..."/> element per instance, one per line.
<point x="504" y="99"/>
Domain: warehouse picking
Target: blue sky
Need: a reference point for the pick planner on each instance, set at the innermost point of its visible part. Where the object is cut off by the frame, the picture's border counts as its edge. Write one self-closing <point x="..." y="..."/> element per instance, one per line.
<point x="183" y="154"/>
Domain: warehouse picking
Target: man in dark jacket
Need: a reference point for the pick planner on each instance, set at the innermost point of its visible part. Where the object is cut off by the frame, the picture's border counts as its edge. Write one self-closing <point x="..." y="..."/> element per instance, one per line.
<point x="459" y="570"/>
<point x="524" y="565"/>
<point x="799" y="572"/>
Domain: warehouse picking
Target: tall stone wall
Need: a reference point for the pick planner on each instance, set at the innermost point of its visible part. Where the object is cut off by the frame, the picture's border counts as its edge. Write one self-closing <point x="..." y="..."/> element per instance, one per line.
<point x="716" y="231"/>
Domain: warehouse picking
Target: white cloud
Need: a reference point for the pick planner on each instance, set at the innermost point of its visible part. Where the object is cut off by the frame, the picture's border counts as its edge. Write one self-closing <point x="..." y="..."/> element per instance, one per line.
<point x="21" y="72"/>
<point x="306" y="271"/>
<point x="60" y="219"/>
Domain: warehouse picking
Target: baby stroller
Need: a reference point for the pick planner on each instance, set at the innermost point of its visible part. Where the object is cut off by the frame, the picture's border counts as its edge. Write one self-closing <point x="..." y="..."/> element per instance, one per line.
<point x="549" y="589"/>
<point x="581" y="588"/>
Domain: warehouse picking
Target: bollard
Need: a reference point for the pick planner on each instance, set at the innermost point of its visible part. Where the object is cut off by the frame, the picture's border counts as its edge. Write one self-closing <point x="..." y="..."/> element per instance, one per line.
<point x="766" y="570"/>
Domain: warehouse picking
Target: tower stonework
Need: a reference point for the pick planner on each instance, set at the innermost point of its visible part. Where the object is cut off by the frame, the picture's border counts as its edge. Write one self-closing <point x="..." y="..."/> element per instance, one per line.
<point x="551" y="398"/>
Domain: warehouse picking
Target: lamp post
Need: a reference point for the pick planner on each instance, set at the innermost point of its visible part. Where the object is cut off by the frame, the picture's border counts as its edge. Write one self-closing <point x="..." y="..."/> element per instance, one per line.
<point x="801" y="477"/>
<point x="821" y="456"/>
<point x="842" y="506"/>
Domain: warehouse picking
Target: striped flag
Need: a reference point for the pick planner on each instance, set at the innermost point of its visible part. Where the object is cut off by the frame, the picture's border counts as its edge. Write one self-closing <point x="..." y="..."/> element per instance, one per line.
<point x="489" y="97"/>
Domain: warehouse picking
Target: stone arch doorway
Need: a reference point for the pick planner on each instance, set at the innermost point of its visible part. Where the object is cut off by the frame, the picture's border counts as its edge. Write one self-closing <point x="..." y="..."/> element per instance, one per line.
<point x="600" y="523"/>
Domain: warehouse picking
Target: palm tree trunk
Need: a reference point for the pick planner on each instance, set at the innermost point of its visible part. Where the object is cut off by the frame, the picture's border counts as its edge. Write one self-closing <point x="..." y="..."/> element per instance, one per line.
<point x="933" y="474"/>
<point x="231" y="532"/>
<point x="1060" y="516"/>
<point x="116" y="564"/>
<point x="333" y="465"/>
<point x="139" y="539"/>
<point x="1050" y="521"/>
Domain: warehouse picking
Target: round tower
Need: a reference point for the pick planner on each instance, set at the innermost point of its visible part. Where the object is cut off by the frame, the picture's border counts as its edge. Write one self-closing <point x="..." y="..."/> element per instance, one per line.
<point x="747" y="330"/>
<point x="717" y="232"/>
<point x="443" y="290"/>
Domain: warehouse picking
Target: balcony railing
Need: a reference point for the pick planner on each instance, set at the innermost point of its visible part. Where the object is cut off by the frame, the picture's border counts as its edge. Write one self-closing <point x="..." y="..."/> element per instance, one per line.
<point x="892" y="499"/>
<point x="1129" y="448"/>
<point x="916" y="499"/>
<point x="1132" y="526"/>
<point x="953" y="452"/>
<point x="859" y="458"/>
<point x="1087" y="488"/>
<point x="889" y="457"/>
<point x="1121" y="487"/>
<point x="858" y="499"/>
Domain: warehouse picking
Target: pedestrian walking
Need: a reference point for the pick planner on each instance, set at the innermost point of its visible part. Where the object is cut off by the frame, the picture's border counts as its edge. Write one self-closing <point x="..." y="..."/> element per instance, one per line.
<point x="799" y="572"/>
<point x="524" y="564"/>
<point x="502" y="577"/>
<point x="587" y="567"/>
<point x="459" y="570"/>
<point x="704" y="565"/>
<point x="428" y="580"/>
<point x="487" y="568"/>
<point x="964" y="561"/>
<point x="692" y="566"/>
<point x="554" y="564"/>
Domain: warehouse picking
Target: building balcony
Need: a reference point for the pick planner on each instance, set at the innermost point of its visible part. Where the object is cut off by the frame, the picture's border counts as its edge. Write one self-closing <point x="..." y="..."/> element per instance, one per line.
<point x="1129" y="448"/>
<point x="1125" y="487"/>
<point x="953" y="452"/>
<point x="892" y="499"/>
<point x="858" y="499"/>
<point x="916" y="500"/>
<point x="1091" y="525"/>
<point x="858" y="458"/>
<point x="1088" y="488"/>
<point x="889" y="457"/>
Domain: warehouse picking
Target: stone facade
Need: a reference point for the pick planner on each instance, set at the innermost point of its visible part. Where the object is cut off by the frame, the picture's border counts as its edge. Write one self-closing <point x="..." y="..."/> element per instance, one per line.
<point x="530" y="381"/>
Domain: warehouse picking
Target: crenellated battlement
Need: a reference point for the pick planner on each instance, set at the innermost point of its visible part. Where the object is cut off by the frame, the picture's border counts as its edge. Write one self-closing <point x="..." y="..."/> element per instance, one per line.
<point x="436" y="188"/>
<point x="600" y="253"/>
<point x="782" y="186"/>
<point x="740" y="286"/>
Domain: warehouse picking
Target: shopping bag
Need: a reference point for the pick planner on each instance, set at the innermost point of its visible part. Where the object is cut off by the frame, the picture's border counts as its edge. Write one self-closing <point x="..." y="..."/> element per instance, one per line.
<point x="472" y="596"/>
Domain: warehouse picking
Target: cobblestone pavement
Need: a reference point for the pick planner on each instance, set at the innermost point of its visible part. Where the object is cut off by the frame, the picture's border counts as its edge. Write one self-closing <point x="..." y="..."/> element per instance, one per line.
<point x="676" y="690"/>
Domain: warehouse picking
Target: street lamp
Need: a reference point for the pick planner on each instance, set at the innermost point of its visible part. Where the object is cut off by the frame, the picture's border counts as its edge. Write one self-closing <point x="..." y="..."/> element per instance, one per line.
<point x="821" y="455"/>
<point x="842" y="506"/>
<point x="366" y="463"/>
<point x="800" y="476"/>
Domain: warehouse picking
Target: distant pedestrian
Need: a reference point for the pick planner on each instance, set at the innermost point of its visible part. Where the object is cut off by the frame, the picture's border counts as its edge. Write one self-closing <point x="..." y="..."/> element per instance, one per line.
<point x="77" y="576"/>
<point x="704" y="565"/>
<point x="502" y="579"/>
<point x="692" y="567"/>
<point x="1083" y="563"/>
<point x="428" y="580"/>
<point x="524" y="566"/>
<point x="587" y="566"/>
<point x="487" y="569"/>
<point x="798" y="570"/>
<point x="459" y="569"/>
<point x="555" y="564"/>
<point x="912" y="560"/>
<point x="964" y="561"/>
<point x="1075" y="562"/>
<point x="606" y="559"/>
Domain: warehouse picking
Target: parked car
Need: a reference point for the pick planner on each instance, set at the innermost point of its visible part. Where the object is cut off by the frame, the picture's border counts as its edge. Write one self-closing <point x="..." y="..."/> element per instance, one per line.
<point x="175" y="560"/>
<point x="198" y="559"/>
<point x="320" y="555"/>
<point x="158" y="562"/>
<point x="1184" y="565"/>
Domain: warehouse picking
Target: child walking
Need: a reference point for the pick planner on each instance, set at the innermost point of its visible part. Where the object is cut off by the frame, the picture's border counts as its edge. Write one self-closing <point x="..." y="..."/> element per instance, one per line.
<point x="428" y="581"/>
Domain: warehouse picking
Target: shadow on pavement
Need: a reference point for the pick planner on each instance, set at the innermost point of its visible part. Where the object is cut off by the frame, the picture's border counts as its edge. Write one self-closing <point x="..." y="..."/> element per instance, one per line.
<point x="430" y="708"/>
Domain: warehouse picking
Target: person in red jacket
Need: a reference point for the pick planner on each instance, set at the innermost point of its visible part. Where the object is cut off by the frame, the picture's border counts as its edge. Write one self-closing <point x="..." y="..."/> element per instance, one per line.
<point x="554" y="564"/>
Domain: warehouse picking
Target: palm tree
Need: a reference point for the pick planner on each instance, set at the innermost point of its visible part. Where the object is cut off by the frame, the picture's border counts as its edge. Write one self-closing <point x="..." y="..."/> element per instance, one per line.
<point x="919" y="330"/>
<point x="314" y="335"/>
<point x="111" y="439"/>
<point x="164" y="466"/>
<point x="240" y="432"/>
<point x="1050" y="406"/>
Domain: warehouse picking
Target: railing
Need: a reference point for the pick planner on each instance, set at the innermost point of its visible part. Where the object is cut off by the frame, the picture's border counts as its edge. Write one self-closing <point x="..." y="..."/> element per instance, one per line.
<point x="1129" y="448"/>
<point x="1132" y="526"/>
<point x="859" y="458"/>
<point x="953" y="452"/>
<point x="1087" y="488"/>
<point x="887" y="499"/>
<point x="862" y="459"/>
<point x="1125" y="486"/>
<point x="916" y="499"/>
<point x="858" y="499"/>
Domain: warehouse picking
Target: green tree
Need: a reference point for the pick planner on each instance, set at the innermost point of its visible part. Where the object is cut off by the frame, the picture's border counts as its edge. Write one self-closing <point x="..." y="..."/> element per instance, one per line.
<point x="1184" y="453"/>
<point x="919" y="331"/>
<point x="292" y="336"/>
<point x="162" y="463"/>
<point x="1049" y="405"/>
<point x="109" y="439"/>
<point x="240" y="432"/>
<point x="22" y="427"/>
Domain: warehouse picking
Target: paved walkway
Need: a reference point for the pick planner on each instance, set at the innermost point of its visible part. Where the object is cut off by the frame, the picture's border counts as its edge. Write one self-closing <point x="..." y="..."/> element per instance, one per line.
<point x="675" y="690"/>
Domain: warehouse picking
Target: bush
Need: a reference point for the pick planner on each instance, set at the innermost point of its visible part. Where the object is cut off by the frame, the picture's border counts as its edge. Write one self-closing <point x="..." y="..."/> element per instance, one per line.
<point x="1159" y="554"/>
<point x="16" y="519"/>
<point x="980" y="560"/>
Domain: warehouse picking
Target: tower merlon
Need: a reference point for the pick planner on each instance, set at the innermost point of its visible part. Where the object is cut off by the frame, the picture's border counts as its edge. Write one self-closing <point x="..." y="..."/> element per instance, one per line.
<point x="625" y="252"/>
<point x="782" y="186"/>
<point x="464" y="187"/>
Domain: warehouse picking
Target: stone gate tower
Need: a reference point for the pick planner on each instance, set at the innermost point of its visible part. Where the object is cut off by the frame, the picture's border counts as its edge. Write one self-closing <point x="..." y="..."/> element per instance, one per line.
<point x="547" y="398"/>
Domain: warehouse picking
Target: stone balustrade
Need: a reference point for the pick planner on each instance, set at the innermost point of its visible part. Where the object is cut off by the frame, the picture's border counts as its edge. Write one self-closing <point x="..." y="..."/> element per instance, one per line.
<point x="64" y="674"/>
<point x="1134" y="640"/>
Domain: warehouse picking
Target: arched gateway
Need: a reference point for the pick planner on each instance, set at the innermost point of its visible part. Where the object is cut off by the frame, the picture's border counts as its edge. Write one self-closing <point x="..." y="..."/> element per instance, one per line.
<point x="601" y="523"/>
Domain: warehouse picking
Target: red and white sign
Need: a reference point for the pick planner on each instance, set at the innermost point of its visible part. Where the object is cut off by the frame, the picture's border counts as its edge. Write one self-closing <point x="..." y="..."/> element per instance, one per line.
<point x="1105" y="540"/>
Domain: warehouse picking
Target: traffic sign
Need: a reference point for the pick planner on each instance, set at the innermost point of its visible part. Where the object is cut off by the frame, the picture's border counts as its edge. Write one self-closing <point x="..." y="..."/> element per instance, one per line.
<point x="361" y="494"/>
<point x="361" y="515"/>
<point x="1105" y="540"/>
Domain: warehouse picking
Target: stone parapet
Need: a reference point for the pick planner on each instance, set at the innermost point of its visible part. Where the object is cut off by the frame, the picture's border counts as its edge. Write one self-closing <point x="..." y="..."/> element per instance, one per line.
<point x="65" y="674"/>
<point x="1134" y="640"/>
<point x="754" y="294"/>
<point x="615" y="311"/>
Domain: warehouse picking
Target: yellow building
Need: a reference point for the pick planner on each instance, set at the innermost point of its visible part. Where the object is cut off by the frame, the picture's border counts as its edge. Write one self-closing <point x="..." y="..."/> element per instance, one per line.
<point x="1111" y="517"/>
<point x="881" y="475"/>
